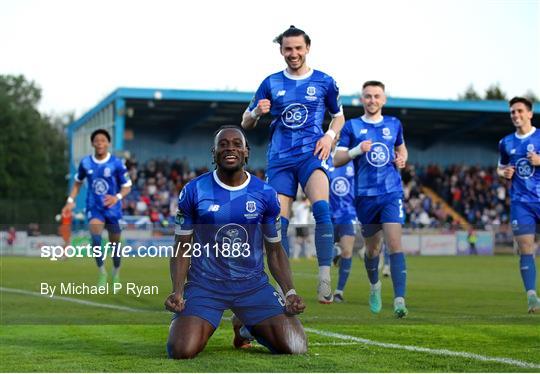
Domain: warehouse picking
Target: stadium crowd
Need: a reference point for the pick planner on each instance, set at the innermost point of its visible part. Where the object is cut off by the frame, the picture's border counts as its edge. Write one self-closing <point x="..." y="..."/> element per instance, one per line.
<point x="475" y="193"/>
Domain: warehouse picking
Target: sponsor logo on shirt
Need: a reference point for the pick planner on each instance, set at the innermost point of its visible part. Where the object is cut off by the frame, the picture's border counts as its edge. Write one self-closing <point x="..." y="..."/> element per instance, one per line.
<point x="378" y="155"/>
<point x="100" y="186"/>
<point x="524" y="169"/>
<point x="340" y="186"/>
<point x="294" y="115"/>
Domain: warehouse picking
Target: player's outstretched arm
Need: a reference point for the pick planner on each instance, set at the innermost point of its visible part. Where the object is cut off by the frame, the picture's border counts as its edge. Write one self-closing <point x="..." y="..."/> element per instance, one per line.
<point x="250" y="118"/>
<point x="278" y="263"/>
<point x="179" y="266"/>
<point x="70" y="203"/>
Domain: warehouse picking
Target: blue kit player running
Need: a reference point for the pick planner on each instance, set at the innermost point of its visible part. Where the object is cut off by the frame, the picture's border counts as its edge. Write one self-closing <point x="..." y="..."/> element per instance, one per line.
<point x="108" y="182"/>
<point x="223" y="219"/>
<point x="297" y="99"/>
<point x="375" y="143"/>
<point x="518" y="159"/>
<point x="343" y="219"/>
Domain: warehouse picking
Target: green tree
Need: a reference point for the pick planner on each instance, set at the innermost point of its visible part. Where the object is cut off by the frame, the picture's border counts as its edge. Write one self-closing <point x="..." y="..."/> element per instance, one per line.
<point x="494" y="92"/>
<point x="470" y="94"/>
<point x="33" y="159"/>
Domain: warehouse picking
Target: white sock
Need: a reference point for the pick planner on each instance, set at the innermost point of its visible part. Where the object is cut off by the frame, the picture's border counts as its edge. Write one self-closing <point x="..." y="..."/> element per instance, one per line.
<point x="324" y="272"/>
<point x="531" y="293"/>
<point x="115" y="271"/>
<point x="102" y="269"/>
<point x="338" y="292"/>
<point x="399" y="300"/>
<point x="376" y="286"/>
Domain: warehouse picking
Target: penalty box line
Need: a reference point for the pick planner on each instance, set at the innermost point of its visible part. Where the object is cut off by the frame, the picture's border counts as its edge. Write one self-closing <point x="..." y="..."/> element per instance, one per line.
<point x="349" y="339"/>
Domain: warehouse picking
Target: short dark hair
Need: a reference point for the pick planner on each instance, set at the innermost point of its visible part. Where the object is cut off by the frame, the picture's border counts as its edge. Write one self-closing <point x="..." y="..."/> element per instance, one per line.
<point x="102" y="132"/>
<point x="234" y="127"/>
<point x="292" y="31"/>
<point x="523" y="100"/>
<point x="373" y="83"/>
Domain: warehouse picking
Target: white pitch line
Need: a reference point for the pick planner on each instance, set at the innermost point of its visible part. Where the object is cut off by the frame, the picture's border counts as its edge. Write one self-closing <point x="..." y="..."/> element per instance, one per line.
<point x="349" y="338"/>
<point x="74" y="300"/>
<point x="412" y="348"/>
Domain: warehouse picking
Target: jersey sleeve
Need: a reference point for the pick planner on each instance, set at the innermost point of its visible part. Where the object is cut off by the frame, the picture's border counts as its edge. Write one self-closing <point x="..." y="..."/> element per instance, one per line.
<point x="271" y="222"/>
<point x="345" y="138"/>
<point x="81" y="173"/>
<point x="263" y="92"/>
<point x="122" y="174"/>
<point x="399" y="137"/>
<point x="504" y="158"/>
<point x="332" y="100"/>
<point x="185" y="215"/>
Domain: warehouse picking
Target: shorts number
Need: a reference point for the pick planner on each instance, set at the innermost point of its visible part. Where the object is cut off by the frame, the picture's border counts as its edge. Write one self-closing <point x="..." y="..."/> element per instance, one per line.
<point x="400" y="202"/>
<point x="279" y="298"/>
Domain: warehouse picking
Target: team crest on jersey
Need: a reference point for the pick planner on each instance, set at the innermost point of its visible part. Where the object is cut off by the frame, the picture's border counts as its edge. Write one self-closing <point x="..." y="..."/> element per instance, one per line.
<point x="524" y="169"/>
<point x="311" y="91"/>
<point x="294" y="115"/>
<point x="349" y="171"/>
<point x="100" y="186"/>
<point x="530" y="147"/>
<point x="107" y="172"/>
<point x="386" y="133"/>
<point x="340" y="186"/>
<point x="251" y="206"/>
<point x="378" y="155"/>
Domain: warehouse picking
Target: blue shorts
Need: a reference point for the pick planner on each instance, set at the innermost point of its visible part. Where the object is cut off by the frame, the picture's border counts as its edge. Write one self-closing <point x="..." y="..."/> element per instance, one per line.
<point x="110" y="217"/>
<point x="373" y="211"/>
<point x="525" y="218"/>
<point x="344" y="226"/>
<point x="284" y="175"/>
<point x="253" y="301"/>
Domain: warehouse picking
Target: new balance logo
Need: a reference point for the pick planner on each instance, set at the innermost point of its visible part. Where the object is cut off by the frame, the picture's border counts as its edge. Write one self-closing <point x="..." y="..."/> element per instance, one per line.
<point x="213" y="208"/>
<point x="363" y="131"/>
<point x="281" y="93"/>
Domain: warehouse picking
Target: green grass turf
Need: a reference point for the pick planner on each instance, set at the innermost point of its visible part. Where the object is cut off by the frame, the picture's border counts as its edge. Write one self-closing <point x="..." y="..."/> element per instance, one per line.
<point x="466" y="304"/>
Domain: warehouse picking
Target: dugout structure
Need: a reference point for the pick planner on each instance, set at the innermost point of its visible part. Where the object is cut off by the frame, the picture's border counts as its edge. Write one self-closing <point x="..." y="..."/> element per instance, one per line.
<point x="167" y="123"/>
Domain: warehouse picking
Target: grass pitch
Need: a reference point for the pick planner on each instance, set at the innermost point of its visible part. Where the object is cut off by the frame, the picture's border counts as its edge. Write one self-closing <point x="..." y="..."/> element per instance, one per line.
<point x="465" y="314"/>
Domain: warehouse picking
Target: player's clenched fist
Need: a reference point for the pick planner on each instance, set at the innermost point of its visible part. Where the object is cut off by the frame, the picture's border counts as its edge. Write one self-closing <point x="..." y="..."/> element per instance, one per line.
<point x="294" y="304"/>
<point x="174" y="302"/>
<point x="263" y="107"/>
<point x="508" y="172"/>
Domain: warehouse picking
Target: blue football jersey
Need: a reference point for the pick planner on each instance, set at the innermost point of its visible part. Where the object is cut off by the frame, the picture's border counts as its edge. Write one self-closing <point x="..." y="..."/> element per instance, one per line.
<point x="513" y="151"/>
<point x="298" y="107"/>
<point x="341" y="190"/>
<point x="228" y="226"/>
<point x="105" y="177"/>
<point x="376" y="173"/>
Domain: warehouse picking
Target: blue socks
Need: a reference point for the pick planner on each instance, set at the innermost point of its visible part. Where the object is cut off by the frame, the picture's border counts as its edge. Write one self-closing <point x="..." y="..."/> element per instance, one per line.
<point x="284" y="237"/>
<point x="372" y="267"/>
<point x="398" y="270"/>
<point x="324" y="232"/>
<point x="528" y="271"/>
<point x="96" y="242"/>
<point x="344" y="270"/>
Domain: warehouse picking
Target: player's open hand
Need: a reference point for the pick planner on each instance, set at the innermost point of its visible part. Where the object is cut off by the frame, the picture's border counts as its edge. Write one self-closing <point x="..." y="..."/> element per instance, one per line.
<point x="324" y="147"/>
<point x="174" y="302"/>
<point x="508" y="172"/>
<point x="534" y="158"/>
<point x="109" y="200"/>
<point x="263" y="107"/>
<point x="294" y="304"/>
<point x="399" y="161"/>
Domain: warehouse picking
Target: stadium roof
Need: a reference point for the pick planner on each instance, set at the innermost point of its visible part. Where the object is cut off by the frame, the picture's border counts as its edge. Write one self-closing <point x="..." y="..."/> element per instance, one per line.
<point x="425" y="120"/>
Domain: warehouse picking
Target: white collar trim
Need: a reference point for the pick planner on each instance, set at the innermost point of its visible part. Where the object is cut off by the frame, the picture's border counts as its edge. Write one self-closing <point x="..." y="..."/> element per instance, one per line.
<point x="527" y="134"/>
<point x="367" y="120"/>
<point x="298" y="77"/>
<point x="101" y="161"/>
<point x="231" y="188"/>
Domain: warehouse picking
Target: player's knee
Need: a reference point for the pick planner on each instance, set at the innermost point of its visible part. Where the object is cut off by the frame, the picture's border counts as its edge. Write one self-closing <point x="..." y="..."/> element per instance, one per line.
<point x="178" y="351"/>
<point x="295" y="343"/>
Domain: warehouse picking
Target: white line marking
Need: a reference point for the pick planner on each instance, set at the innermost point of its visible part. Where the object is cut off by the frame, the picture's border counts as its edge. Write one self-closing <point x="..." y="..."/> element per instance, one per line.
<point x="351" y="339"/>
<point x="74" y="300"/>
<point x="440" y="352"/>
